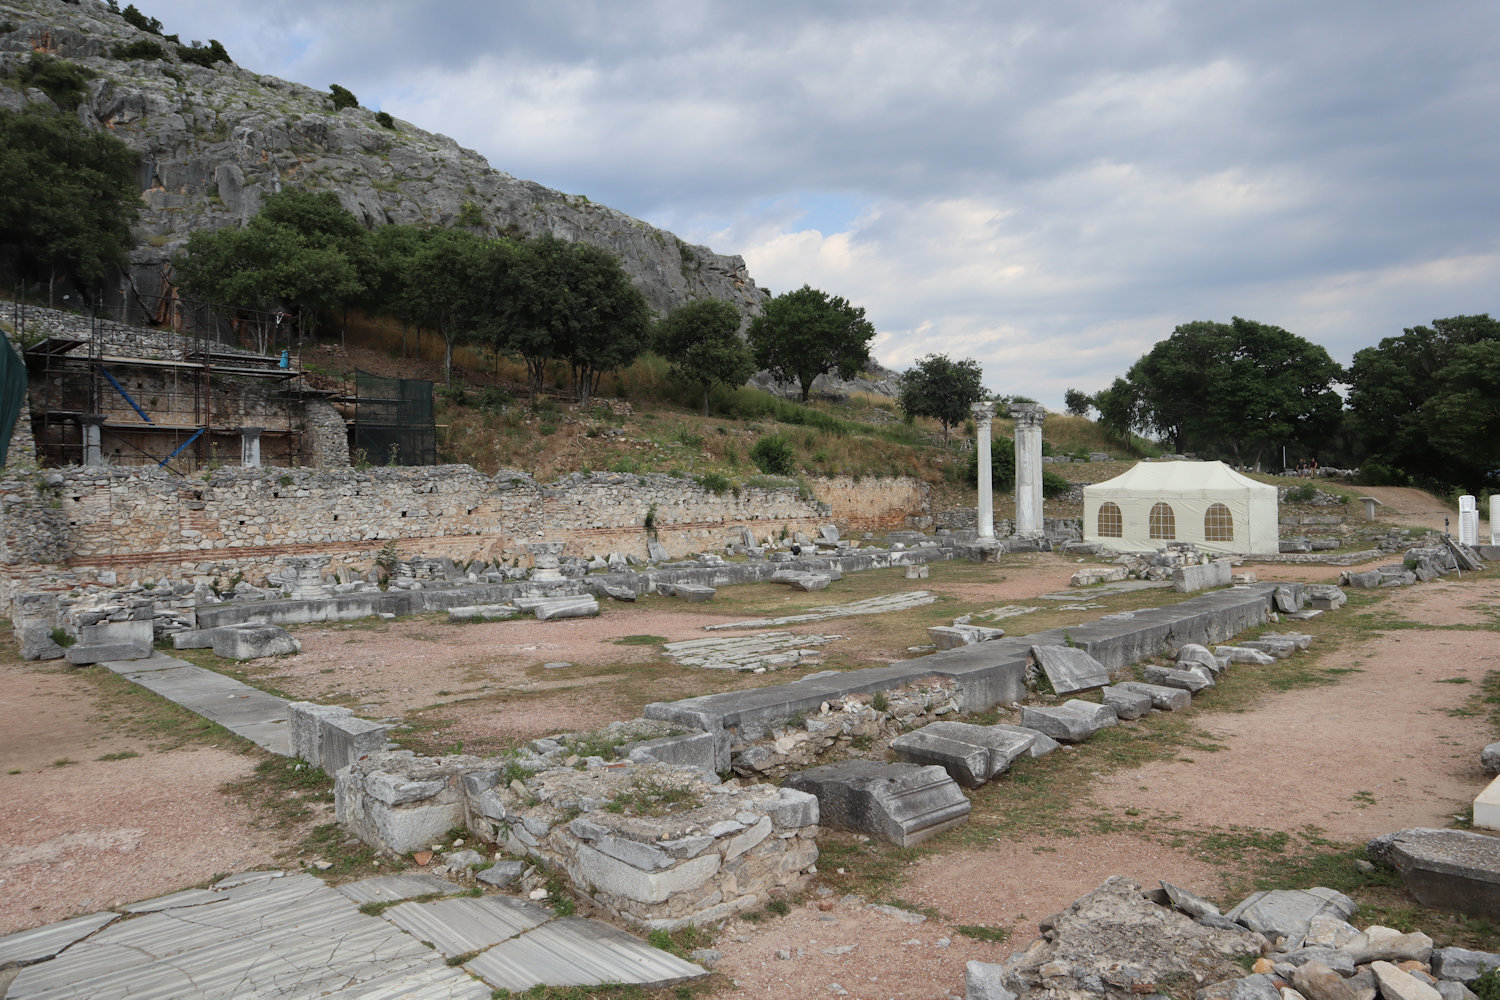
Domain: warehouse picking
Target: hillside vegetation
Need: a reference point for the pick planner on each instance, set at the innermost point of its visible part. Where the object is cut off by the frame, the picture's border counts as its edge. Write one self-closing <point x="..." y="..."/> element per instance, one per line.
<point x="643" y="421"/>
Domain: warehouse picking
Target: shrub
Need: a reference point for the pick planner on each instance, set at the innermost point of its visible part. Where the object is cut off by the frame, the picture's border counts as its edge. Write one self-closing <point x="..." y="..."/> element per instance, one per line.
<point x="1301" y="494"/>
<point x="342" y="97"/>
<point x="1487" y="986"/>
<point x="1053" y="484"/>
<point x="141" y="48"/>
<point x="203" y="55"/>
<point x="65" y="82"/>
<point x="774" y="456"/>
<point x="715" y="483"/>
<point x="384" y="120"/>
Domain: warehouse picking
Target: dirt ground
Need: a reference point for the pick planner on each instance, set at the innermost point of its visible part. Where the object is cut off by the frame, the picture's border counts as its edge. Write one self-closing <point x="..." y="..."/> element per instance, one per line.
<point x="1375" y="750"/>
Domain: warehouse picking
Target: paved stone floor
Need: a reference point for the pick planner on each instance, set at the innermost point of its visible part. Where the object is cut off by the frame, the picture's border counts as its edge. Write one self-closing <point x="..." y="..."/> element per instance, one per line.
<point x="270" y="934"/>
<point x="259" y="717"/>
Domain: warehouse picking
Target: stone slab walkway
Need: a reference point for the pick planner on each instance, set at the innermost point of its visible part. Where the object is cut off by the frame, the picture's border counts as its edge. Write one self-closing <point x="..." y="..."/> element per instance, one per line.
<point x="259" y="717"/>
<point x="868" y="606"/>
<point x="285" y="936"/>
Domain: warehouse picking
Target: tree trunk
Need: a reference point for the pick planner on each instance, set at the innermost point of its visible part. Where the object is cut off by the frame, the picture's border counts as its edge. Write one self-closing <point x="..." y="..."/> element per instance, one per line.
<point x="448" y="358"/>
<point x="705" y="398"/>
<point x="807" y="388"/>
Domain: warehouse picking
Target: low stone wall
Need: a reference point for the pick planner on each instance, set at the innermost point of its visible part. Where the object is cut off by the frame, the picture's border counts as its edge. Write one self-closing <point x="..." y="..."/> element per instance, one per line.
<point x="656" y="845"/>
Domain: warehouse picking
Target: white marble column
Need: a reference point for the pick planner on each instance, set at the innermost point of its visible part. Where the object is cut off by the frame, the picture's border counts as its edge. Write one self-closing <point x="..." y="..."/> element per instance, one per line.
<point x="984" y="413"/>
<point x="93" y="439"/>
<point x="1028" y="418"/>
<point x="1493" y="512"/>
<point x="250" y="447"/>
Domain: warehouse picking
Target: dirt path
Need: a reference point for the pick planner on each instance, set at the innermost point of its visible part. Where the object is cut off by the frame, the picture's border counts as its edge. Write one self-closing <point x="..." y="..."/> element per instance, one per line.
<point x="92" y="816"/>
<point x="1376" y="751"/>
<point x="1408" y="506"/>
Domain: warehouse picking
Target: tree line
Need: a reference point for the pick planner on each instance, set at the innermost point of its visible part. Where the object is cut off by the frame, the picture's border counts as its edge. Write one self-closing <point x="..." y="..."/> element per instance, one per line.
<point x="1422" y="407"/>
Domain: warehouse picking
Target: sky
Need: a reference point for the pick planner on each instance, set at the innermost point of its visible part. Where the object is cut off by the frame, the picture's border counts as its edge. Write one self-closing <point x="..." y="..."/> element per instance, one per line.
<point x="1049" y="188"/>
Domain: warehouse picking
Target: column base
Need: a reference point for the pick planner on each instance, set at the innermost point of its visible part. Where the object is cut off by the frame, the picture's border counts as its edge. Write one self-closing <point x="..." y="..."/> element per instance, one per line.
<point x="988" y="549"/>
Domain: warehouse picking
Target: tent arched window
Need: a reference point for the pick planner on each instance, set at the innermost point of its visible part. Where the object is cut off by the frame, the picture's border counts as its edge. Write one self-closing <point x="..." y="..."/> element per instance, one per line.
<point x="1111" y="522"/>
<point x="1218" y="524"/>
<point x="1163" y="522"/>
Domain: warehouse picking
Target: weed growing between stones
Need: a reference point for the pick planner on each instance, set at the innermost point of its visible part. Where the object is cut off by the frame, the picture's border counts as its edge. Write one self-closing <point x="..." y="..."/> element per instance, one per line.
<point x="980" y="932"/>
<point x="654" y="797"/>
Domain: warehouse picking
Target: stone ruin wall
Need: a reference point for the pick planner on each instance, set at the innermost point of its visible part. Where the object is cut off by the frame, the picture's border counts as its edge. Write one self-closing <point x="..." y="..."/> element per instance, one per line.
<point x="143" y="522"/>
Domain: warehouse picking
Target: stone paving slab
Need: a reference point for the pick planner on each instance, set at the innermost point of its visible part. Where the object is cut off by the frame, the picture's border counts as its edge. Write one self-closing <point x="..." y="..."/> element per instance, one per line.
<point x="25" y="947"/>
<point x="868" y="606"/>
<point x="459" y="926"/>
<point x="578" y="952"/>
<point x="177" y="900"/>
<point x="394" y="888"/>
<point x="245" y="711"/>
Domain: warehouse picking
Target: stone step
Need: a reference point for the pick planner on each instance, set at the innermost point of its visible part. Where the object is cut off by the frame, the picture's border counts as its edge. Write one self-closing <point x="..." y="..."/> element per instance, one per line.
<point x="81" y="655"/>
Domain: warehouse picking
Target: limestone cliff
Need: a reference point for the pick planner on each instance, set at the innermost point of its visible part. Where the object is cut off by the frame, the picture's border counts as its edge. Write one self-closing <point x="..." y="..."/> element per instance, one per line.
<point x="215" y="141"/>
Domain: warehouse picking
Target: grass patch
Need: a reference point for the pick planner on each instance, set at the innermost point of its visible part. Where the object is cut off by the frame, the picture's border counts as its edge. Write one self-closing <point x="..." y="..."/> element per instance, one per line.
<point x="980" y="932"/>
<point x="641" y="640"/>
<point x="654" y="797"/>
<point x="122" y="755"/>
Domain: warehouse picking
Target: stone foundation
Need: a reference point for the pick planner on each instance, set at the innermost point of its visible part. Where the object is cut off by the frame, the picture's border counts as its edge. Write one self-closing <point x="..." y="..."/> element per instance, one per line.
<point x="657" y="845"/>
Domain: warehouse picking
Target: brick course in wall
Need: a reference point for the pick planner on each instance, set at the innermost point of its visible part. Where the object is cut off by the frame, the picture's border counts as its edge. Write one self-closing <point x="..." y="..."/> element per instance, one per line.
<point x="138" y="521"/>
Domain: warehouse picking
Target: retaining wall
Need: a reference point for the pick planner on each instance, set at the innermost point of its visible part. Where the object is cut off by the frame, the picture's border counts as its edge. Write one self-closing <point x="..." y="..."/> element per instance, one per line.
<point x="140" y="521"/>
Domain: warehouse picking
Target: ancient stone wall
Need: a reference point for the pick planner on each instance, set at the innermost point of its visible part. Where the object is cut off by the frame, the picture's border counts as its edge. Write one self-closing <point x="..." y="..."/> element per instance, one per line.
<point x="141" y="520"/>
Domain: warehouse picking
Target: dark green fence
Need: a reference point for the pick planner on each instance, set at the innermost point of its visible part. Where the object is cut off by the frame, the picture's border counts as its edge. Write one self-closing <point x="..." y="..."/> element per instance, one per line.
<point x="394" y="422"/>
<point x="12" y="395"/>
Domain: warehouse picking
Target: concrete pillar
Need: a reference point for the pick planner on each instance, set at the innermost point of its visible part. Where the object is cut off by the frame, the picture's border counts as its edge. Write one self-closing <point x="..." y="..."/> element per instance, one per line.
<point x="1468" y="520"/>
<point x="1028" y="418"/>
<point x="93" y="438"/>
<point x="984" y="413"/>
<point x="250" y="447"/>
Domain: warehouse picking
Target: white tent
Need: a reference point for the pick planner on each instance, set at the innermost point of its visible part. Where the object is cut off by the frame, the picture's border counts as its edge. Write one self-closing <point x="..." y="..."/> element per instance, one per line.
<point x="1206" y="503"/>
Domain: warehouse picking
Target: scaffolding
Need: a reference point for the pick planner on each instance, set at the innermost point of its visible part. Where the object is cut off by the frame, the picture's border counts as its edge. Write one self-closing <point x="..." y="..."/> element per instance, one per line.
<point x="179" y="395"/>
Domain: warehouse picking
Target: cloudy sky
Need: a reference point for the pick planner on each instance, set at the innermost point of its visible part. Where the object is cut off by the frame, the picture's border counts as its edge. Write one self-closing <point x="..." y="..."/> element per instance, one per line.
<point x="1048" y="187"/>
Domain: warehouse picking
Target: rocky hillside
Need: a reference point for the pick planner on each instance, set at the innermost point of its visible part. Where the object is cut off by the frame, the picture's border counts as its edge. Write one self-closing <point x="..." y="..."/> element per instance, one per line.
<point x="214" y="141"/>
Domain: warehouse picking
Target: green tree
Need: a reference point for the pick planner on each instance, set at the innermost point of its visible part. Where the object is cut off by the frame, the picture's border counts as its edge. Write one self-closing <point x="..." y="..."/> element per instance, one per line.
<point x="1425" y="403"/>
<point x="302" y="252"/>
<point x="941" y="388"/>
<point x="572" y="302"/>
<point x="702" y="341"/>
<point x="69" y="198"/>
<point x="1118" y="406"/>
<point x="1239" y="388"/>
<point x="1078" y="403"/>
<point x="806" y="333"/>
<point x="453" y="286"/>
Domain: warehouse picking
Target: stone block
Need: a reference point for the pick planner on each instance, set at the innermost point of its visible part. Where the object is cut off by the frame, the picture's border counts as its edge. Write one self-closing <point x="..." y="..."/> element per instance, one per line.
<point x="502" y="874"/>
<point x="690" y="749"/>
<point x="1278" y="648"/>
<point x="1192" y="652"/>
<point x="801" y="581"/>
<point x="618" y="878"/>
<point x="483" y="612"/>
<point x="1168" y="699"/>
<point x="903" y="804"/>
<point x="139" y="633"/>
<point x="193" y="638"/>
<point x="82" y="655"/>
<point x="692" y="592"/>
<point x="1071" y="722"/>
<point x="1187" y="579"/>
<point x="1188" y="680"/>
<point x="305" y="720"/>
<point x="1461" y="964"/>
<point x="1244" y="654"/>
<point x="793" y="809"/>
<point x="1398" y="984"/>
<point x="250" y="642"/>
<point x="1127" y="704"/>
<point x="1041" y="744"/>
<point x="954" y="636"/>
<point x="985" y="981"/>
<point x="1448" y="869"/>
<point x="1090" y="575"/>
<point x="656" y="552"/>
<point x="345" y="739"/>
<point x="971" y="755"/>
<point x="1288" y="913"/>
<point x="1070" y="669"/>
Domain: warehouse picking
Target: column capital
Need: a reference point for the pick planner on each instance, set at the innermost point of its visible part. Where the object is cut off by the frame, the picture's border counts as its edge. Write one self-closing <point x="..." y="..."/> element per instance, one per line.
<point x="251" y="432"/>
<point x="1028" y="414"/>
<point x="983" y="412"/>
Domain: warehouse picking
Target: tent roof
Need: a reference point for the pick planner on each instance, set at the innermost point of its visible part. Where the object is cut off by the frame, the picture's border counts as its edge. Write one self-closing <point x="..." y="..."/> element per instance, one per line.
<point x="1193" y="478"/>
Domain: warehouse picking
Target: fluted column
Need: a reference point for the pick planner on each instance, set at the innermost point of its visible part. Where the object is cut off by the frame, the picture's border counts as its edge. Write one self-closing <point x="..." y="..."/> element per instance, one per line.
<point x="1028" y="418"/>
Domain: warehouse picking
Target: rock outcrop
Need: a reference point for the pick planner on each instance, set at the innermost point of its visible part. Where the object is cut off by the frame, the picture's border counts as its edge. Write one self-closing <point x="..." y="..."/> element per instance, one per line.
<point x="215" y="141"/>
